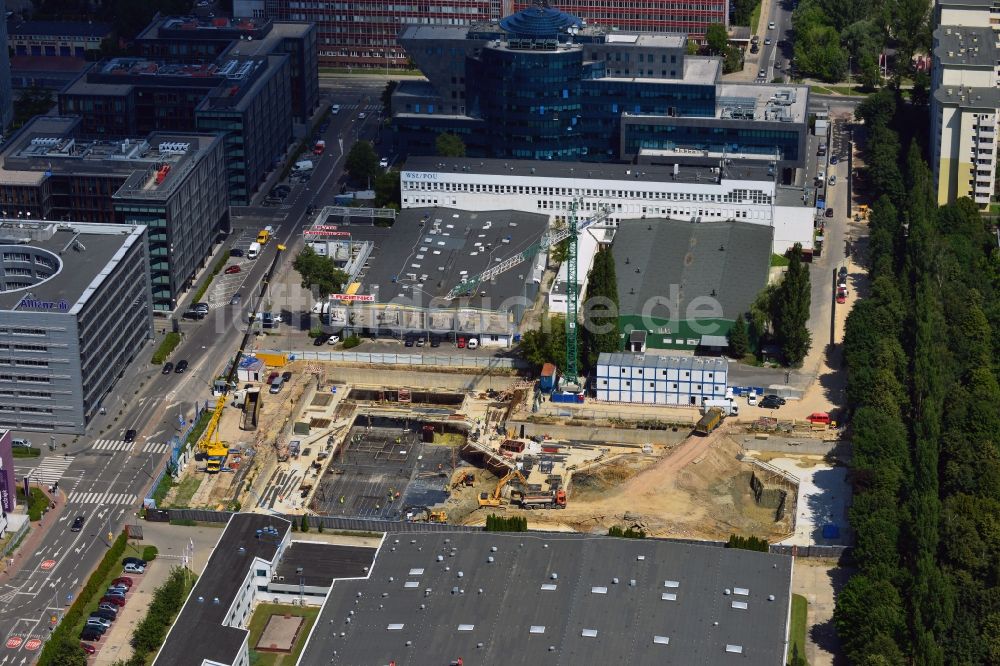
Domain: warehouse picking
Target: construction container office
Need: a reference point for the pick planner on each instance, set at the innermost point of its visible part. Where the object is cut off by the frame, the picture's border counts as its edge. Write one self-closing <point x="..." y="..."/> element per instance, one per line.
<point x="660" y="380"/>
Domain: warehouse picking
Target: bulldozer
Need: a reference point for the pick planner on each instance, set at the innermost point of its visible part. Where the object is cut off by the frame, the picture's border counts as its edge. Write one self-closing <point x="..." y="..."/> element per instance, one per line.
<point x="496" y="497"/>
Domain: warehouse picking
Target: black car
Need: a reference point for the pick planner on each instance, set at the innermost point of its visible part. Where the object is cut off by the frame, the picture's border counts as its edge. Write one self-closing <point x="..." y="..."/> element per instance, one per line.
<point x="235" y="300"/>
<point x="168" y="367"/>
<point x="320" y="340"/>
<point x="771" y="402"/>
<point x="408" y="342"/>
<point x="130" y="435"/>
<point x="286" y="376"/>
<point x="181" y="367"/>
<point x="236" y="252"/>
<point x="77" y="524"/>
<point x="105" y="615"/>
<point x="194" y="314"/>
<point x="134" y="560"/>
<point x="843" y="272"/>
<point x="90" y="633"/>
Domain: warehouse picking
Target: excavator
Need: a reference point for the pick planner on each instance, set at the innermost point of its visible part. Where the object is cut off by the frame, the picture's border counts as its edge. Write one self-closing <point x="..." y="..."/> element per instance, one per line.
<point x="495" y="498"/>
<point x="215" y="450"/>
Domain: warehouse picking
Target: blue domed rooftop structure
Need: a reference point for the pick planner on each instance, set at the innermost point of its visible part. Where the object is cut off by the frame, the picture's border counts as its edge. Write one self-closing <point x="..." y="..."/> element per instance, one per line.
<point x="540" y="21"/>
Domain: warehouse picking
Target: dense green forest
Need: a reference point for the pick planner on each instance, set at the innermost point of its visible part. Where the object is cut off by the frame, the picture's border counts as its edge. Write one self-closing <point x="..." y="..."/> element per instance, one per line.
<point x="923" y="390"/>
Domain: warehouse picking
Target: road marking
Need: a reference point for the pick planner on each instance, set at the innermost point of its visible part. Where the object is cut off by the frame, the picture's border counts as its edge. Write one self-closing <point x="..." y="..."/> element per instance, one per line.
<point x="33" y="644"/>
<point x="112" y="445"/>
<point x="102" y="498"/>
<point x="156" y="447"/>
<point x="49" y="470"/>
<point x="13" y="643"/>
<point x="47" y="564"/>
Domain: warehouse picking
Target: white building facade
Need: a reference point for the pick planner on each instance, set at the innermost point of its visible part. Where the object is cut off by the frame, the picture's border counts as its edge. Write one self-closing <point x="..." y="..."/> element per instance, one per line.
<point x="629" y="191"/>
<point x="660" y="380"/>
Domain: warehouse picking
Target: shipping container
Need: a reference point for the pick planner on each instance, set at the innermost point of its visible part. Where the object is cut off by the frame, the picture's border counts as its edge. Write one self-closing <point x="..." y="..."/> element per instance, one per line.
<point x="567" y="397"/>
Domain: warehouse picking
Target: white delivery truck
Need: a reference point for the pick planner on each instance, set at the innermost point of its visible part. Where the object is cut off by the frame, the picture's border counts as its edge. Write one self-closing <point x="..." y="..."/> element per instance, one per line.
<point x="254" y="250"/>
<point x="727" y="405"/>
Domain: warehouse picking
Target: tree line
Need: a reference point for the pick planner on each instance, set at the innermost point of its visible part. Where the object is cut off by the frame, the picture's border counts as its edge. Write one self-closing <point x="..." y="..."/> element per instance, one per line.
<point x="832" y="35"/>
<point x="923" y="394"/>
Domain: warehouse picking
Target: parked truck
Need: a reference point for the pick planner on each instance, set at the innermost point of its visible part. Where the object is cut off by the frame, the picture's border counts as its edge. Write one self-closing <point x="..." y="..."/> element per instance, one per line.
<point x="727" y="405"/>
<point x="555" y="499"/>
<point x="710" y="421"/>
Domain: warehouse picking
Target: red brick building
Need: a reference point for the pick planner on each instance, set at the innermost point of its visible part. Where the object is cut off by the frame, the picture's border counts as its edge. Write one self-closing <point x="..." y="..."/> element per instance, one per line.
<point x="692" y="18"/>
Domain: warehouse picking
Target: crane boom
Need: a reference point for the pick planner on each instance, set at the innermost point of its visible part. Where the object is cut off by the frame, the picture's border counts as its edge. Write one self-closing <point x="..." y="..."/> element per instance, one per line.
<point x="549" y="239"/>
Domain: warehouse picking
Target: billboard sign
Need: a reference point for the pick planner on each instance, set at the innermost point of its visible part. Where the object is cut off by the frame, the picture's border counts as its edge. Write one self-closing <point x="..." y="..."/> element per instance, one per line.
<point x="325" y="233"/>
<point x="8" y="482"/>
<point x="359" y="298"/>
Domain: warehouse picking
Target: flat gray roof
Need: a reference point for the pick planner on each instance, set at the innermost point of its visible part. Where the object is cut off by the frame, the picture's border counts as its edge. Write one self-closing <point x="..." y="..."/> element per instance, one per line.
<point x="269" y="43"/>
<point x="441" y="246"/>
<point x="583" y="170"/>
<point x="198" y="632"/>
<point x="710" y="363"/>
<point x="79" y="268"/>
<point x="421" y="31"/>
<point x="322" y="563"/>
<point x="965" y="46"/>
<point x="724" y="261"/>
<point x="769" y="101"/>
<point x="557" y="599"/>
<point x="968" y="98"/>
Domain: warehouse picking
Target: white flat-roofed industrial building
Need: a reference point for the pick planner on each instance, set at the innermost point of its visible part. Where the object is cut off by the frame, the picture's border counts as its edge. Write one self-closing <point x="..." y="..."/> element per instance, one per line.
<point x="742" y="192"/>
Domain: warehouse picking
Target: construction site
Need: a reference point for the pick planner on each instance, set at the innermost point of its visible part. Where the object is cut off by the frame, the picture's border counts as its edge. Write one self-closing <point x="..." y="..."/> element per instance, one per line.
<point x="325" y="448"/>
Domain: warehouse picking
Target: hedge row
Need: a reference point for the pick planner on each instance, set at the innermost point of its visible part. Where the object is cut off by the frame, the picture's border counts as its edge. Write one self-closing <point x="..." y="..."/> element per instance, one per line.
<point x="167" y="601"/>
<point x="26" y="452"/>
<point x="168" y="345"/>
<point x="53" y="654"/>
<point x="219" y="265"/>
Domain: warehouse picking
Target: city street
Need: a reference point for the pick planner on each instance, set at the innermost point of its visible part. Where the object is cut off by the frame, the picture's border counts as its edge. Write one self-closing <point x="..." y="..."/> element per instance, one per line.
<point x="104" y="478"/>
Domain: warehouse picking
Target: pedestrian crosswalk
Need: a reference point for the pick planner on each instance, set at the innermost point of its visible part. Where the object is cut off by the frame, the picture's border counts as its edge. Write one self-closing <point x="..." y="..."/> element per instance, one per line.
<point x="102" y="498"/>
<point x="156" y="447"/>
<point x="49" y="470"/>
<point x="112" y="445"/>
<point x="368" y="108"/>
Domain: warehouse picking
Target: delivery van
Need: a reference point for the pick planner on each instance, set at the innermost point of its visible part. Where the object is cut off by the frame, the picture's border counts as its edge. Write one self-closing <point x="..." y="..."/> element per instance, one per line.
<point x="263" y="236"/>
<point x="254" y="251"/>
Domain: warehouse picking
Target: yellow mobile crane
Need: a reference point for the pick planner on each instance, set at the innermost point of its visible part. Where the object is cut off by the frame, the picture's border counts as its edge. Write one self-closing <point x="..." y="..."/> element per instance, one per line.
<point x="214" y="449"/>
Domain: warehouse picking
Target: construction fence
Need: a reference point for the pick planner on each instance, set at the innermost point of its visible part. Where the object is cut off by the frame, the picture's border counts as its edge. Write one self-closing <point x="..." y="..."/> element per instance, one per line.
<point x="15" y="539"/>
<point x="410" y="360"/>
<point x="367" y="525"/>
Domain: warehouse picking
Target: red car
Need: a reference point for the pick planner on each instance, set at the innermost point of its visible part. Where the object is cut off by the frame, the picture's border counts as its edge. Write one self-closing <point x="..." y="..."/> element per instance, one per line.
<point x="117" y="601"/>
<point x="233" y="269"/>
<point x="123" y="580"/>
<point x="271" y="377"/>
<point x="461" y="343"/>
<point x="841" y="295"/>
<point x="88" y="648"/>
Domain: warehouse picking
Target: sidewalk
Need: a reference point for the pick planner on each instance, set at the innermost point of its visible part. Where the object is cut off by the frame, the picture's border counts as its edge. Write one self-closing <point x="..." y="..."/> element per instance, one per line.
<point x="36" y="533"/>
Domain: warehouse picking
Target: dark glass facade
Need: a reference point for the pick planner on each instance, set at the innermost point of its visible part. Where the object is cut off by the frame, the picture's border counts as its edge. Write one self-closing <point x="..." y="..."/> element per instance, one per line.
<point x="760" y="139"/>
<point x="533" y="103"/>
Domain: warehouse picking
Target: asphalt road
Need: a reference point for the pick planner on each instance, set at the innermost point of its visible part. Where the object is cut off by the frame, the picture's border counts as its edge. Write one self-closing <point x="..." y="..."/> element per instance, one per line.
<point x="774" y="59"/>
<point x="105" y="478"/>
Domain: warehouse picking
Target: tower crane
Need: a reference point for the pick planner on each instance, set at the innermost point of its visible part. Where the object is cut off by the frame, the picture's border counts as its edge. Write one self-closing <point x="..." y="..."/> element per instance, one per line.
<point x="548" y="240"/>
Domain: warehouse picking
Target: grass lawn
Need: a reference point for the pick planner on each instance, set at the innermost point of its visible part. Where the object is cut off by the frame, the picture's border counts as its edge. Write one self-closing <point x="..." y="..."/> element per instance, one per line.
<point x="259" y="619"/>
<point x="755" y="18"/>
<point x="39" y="502"/>
<point x="839" y="90"/>
<point x="797" y="644"/>
<point x="186" y="490"/>
<point x="199" y="428"/>
<point x="779" y="260"/>
<point x="170" y="342"/>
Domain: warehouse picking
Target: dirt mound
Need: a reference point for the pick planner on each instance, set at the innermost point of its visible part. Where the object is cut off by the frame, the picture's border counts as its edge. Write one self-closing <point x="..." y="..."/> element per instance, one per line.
<point x="700" y="490"/>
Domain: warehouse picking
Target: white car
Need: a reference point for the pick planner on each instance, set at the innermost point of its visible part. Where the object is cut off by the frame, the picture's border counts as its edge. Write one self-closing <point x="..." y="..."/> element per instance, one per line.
<point x="770" y="26"/>
<point x="821" y="174"/>
<point x="361" y="116"/>
<point x="335" y="109"/>
<point x="384" y="162"/>
<point x="752" y="398"/>
<point x="333" y="339"/>
<point x="134" y="568"/>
